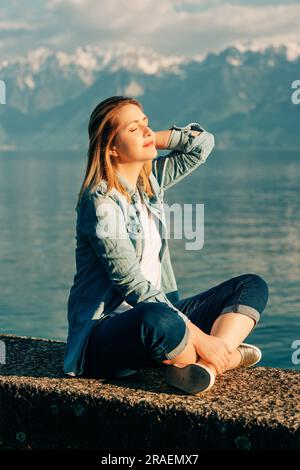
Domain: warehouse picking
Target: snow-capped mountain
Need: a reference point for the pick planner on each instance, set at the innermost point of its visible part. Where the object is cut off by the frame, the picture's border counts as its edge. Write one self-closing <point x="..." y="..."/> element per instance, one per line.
<point x="43" y="78"/>
<point x="94" y="58"/>
<point x="243" y="92"/>
<point x="290" y="50"/>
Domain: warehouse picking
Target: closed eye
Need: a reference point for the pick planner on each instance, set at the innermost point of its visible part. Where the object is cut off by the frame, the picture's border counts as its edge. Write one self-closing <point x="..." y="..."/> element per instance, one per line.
<point x="145" y="118"/>
<point x="132" y="130"/>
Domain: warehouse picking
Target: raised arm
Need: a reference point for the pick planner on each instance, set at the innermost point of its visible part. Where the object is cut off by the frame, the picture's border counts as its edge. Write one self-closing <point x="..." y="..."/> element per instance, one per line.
<point x="190" y="147"/>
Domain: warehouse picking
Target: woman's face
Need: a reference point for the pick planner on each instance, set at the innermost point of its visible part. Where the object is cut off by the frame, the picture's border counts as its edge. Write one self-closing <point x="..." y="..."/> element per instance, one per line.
<point x="134" y="133"/>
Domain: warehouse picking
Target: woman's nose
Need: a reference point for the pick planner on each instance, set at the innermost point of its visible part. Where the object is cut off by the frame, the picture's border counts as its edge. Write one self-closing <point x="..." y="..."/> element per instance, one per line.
<point x="148" y="131"/>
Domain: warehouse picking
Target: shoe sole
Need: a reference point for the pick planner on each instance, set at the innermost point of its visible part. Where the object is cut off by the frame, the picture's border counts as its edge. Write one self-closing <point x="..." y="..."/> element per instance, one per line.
<point x="193" y="378"/>
<point x="256" y="349"/>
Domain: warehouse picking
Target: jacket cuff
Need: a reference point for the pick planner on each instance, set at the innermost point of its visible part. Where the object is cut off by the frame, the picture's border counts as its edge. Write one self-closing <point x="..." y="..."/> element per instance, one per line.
<point x="180" y="136"/>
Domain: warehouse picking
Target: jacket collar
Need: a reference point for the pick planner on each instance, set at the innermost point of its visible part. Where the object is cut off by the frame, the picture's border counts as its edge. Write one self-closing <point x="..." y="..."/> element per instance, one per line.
<point x="125" y="183"/>
<point x="103" y="186"/>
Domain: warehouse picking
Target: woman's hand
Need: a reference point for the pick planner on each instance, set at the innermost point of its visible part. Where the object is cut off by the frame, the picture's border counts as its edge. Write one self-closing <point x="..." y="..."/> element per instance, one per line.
<point x="214" y="351"/>
<point x="194" y="133"/>
<point x="211" y="349"/>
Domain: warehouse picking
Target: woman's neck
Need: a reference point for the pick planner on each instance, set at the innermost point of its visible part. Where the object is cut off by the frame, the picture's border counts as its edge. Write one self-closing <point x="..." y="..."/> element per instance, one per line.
<point x="130" y="172"/>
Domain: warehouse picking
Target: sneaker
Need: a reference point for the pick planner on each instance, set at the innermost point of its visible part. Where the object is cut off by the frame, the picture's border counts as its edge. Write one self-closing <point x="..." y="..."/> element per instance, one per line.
<point x="250" y="355"/>
<point x="192" y="378"/>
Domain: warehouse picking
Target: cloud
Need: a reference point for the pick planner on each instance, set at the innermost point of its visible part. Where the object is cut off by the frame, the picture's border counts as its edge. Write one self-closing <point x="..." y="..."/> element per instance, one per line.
<point x="133" y="20"/>
<point x="12" y="28"/>
<point x="170" y="26"/>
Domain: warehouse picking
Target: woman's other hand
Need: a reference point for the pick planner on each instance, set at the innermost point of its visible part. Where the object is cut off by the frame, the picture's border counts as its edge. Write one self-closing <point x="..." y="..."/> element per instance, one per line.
<point x="211" y="349"/>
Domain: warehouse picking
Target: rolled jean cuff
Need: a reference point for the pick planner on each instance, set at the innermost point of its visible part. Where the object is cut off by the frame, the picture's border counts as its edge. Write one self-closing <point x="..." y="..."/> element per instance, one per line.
<point x="243" y="309"/>
<point x="183" y="316"/>
<point x="181" y="346"/>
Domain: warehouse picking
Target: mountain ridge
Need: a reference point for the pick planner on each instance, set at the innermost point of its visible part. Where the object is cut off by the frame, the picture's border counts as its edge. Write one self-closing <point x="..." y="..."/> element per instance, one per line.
<point x="243" y="93"/>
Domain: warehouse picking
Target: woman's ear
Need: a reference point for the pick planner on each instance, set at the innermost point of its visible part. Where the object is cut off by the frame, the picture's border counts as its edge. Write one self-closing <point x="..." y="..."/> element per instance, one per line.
<point x="114" y="152"/>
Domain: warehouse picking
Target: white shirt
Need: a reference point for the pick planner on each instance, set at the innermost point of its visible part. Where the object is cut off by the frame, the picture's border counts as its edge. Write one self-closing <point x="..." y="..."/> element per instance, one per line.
<point x="150" y="264"/>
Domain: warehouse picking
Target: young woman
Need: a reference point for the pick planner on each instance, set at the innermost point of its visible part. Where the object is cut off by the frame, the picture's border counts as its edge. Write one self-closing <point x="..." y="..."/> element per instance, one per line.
<point x="124" y="310"/>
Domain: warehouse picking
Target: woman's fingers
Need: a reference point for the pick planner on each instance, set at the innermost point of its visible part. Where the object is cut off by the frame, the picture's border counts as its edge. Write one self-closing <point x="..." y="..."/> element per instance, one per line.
<point x="222" y="363"/>
<point x="218" y="365"/>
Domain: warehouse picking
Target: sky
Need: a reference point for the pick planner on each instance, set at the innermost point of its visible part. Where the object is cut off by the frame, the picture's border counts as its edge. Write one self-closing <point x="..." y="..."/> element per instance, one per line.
<point x="183" y="27"/>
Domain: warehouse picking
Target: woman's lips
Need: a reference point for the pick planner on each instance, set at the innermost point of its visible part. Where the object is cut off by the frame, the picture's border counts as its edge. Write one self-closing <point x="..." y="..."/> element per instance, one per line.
<point x="150" y="143"/>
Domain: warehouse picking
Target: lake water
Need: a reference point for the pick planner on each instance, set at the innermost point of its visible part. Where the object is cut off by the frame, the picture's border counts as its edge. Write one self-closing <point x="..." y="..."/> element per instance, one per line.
<point x="251" y="225"/>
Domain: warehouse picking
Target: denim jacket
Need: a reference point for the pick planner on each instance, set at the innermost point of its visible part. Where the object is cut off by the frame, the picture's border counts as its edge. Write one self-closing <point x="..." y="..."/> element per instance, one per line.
<point x="107" y="260"/>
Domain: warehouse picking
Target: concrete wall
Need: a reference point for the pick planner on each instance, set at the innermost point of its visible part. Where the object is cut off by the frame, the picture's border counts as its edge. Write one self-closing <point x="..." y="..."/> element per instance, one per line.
<point x="41" y="408"/>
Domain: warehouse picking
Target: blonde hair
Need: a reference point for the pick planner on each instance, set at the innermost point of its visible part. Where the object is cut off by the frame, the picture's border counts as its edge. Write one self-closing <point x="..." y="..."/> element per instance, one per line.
<point x="103" y="128"/>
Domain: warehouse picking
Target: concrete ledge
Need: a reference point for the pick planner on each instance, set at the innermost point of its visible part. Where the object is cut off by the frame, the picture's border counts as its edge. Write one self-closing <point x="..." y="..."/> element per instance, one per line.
<point x="41" y="408"/>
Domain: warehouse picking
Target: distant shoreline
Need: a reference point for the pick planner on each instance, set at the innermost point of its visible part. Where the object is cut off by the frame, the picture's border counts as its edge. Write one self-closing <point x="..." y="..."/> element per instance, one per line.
<point x="8" y="147"/>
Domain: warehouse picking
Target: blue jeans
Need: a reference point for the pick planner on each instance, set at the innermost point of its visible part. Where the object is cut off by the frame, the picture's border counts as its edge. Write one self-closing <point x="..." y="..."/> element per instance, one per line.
<point x="151" y="332"/>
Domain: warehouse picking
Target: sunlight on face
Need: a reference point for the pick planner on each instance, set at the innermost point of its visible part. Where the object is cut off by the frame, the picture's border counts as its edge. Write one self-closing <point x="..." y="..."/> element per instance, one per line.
<point x="134" y="133"/>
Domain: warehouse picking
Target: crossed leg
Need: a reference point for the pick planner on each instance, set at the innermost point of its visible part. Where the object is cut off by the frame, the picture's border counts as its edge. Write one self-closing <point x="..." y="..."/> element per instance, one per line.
<point x="247" y="295"/>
